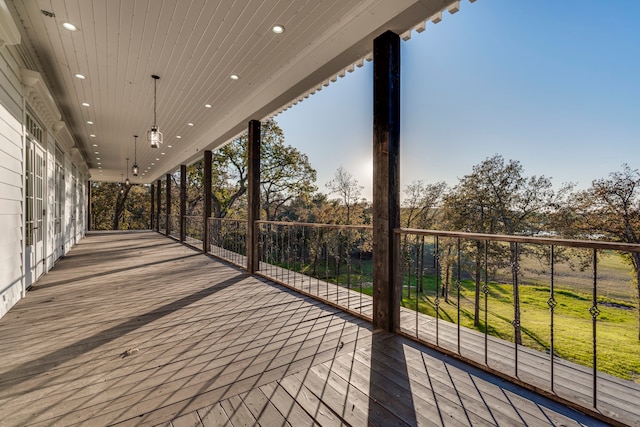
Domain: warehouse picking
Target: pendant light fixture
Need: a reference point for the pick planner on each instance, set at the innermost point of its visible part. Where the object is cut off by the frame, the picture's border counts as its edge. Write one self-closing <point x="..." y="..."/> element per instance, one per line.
<point x="154" y="136"/>
<point x="134" y="168"/>
<point x="122" y="184"/>
<point x="126" y="181"/>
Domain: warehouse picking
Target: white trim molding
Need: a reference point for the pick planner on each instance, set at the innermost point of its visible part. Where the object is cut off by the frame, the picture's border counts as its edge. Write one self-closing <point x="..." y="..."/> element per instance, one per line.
<point x="40" y="99"/>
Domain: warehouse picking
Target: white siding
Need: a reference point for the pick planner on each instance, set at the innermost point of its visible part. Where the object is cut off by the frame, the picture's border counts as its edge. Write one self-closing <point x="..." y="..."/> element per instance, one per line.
<point x="11" y="205"/>
<point x="10" y="84"/>
<point x="12" y="182"/>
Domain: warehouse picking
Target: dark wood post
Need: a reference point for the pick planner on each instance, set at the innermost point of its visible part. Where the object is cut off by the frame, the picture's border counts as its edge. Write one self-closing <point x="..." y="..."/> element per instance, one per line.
<point x="253" y="196"/>
<point x="207" y="200"/>
<point x="386" y="181"/>
<point x="168" y="201"/>
<point x="183" y="201"/>
<point x="88" y="206"/>
<point x="159" y="204"/>
<point x="153" y="207"/>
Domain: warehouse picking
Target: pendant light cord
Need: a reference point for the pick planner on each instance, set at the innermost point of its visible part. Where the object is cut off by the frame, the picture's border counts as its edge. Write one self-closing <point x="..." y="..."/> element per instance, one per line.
<point x="155" y="89"/>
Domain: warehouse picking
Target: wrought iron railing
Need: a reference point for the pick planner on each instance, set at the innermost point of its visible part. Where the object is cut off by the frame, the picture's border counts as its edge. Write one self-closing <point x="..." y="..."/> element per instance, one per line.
<point x="539" y="310"/>
<point x="174" y="223"/>
<point x="194" y="230"/>
<point x="162" y="224"/>
<point x="544" y="312"/>
<point x="330" y="262"/>
<point x="228" y="239"/>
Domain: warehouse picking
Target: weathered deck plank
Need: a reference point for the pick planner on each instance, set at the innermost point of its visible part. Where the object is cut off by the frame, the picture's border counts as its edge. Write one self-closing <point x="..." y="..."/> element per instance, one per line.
<point x="134" y="328"/>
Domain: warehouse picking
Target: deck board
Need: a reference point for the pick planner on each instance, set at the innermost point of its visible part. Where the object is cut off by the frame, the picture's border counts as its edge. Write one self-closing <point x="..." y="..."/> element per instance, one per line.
<point x="137" y="329"/>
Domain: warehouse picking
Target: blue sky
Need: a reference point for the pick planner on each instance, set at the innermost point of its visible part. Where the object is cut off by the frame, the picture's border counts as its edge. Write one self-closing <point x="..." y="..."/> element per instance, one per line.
<point x="553" y="84"/>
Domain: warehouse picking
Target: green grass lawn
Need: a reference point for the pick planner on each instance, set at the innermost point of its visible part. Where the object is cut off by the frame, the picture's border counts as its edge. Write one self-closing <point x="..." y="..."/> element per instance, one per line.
<point x="618" y="347"/>
<point x="617" y="341"/>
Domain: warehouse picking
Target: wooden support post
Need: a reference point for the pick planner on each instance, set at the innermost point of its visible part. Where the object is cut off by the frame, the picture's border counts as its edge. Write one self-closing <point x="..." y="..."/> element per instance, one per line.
<point x="253" y="196"/>
<point x="159" y="205"/>
<point x="183" y="201"/>
<point x="153" y="207"/>
<point x="168" y="201"/>
<point x="386" y="181"/>
<point x="89" y="224"/>
<point x="207" y="201"/>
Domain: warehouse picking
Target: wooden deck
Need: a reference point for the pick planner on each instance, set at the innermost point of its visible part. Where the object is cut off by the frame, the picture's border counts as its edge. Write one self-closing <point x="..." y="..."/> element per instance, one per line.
<point x="134" y="328"/>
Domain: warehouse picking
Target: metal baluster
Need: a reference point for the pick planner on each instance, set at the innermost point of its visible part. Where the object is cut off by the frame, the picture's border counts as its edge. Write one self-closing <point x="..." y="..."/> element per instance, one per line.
<point x="318" y="248"/>
<point x="294" y="230"/>
<point x="326" y="267"/>
<point x="595" y="312"/>
<point x="551" y="302"/>
<point x="288" y="255"/>
<point x="338" y="272"/>
<point x="408" y="260"/>
<point x="516" y="304"/>
<point x="416" y="293"/>
<point x="348" y="268"/>
<point x="302" y="265"/>
<point x="437" y="299"/>
<point x="485" y="291"/>
<point x="458" y="285"/>
<point x="361" y="272"/>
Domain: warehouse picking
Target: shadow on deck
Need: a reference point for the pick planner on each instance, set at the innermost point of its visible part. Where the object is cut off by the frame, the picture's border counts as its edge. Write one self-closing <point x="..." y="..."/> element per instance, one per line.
<point x="133" y="328"/>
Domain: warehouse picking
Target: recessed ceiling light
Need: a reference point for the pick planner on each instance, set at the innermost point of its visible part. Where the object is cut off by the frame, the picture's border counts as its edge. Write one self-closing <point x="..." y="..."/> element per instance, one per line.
<point x="207" y="105"/>
<point x="93" y="136"/>
<point x="162" y="154"/>
<point x="178" y="136"/>
<point x="95" y="145"/>
<point x="98" y="158"/>
<point x="80" y="76"/>
<point x="169" y="146"/>
<point x="278" y="29"/>
<point x="153" y="164"/>
<point x="97" y="152"/>
<point x="190" y="124"/>
<point x="99" y="163"/>
<point x="86" y="104"/>
<point x="234" y="77"/>
<point x="158" y="159"/>
<point x="89" y="122"/>
<point x="70" y="26"/>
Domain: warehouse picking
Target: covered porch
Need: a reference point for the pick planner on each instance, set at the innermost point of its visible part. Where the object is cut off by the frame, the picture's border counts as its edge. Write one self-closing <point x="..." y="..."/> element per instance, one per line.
<point x="135" y="328"/>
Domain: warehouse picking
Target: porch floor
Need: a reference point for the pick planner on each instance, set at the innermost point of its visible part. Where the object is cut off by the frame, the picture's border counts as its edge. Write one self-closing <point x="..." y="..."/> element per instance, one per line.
<point x="134" y="328"/>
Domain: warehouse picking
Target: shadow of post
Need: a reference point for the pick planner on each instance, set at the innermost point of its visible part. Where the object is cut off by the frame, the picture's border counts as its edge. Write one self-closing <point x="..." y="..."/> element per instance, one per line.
<point x="389" y="385"/>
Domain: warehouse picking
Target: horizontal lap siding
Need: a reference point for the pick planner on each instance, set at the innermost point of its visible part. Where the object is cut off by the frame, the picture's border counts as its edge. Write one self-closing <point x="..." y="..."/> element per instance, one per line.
<point x="11" y="184"/>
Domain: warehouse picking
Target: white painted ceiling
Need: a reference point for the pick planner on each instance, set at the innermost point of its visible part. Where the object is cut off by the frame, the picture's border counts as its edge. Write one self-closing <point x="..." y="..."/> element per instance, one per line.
<point x="195" y="46"/>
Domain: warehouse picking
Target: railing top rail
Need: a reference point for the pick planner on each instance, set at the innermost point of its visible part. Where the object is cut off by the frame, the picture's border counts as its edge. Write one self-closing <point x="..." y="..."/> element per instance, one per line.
<point x="312" y="224"/>
<point x="585" y="244"/>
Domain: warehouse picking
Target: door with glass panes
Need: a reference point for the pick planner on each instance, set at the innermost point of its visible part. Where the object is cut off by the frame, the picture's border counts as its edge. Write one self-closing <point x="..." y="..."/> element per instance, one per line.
<point x="35" y="210"/>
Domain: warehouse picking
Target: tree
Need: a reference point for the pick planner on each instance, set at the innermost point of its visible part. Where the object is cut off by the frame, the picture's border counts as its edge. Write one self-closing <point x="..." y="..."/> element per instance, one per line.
<point x="285" y="173"/>
<point x="419" y="211"/>
<point x="118" y="206"/>
<point x="610" y="207"/>
<point x="348" y="189"/>
<point x="498" y="198"/>
<point x="420" y="203"/>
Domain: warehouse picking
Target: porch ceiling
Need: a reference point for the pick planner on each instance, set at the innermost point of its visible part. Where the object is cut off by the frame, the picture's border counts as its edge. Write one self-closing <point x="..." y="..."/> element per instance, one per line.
<point x="194" y="46"/>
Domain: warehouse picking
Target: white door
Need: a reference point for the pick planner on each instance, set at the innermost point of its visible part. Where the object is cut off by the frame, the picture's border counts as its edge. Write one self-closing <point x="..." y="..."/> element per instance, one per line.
<point x="34" y="212"/>
<point x="74" y="208"/>
<point x="58" y="218"/>
<point x="39" y="212"/>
